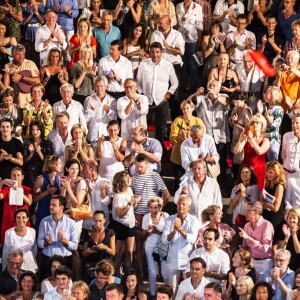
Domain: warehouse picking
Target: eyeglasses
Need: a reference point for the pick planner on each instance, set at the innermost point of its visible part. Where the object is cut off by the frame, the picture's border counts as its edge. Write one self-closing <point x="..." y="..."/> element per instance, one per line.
<point x="14" y="263"/>
<point x="280" y="260"/>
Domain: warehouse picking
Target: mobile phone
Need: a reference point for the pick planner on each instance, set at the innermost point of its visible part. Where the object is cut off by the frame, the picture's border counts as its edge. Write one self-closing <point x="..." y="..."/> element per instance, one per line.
<point x="256" y="2"/>
<point x="107" y="73"/>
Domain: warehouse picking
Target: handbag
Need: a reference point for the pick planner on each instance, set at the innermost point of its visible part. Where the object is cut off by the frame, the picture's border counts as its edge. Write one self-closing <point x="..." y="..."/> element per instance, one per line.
<point x="212" y="170"/>
<point x="160" y="251"/>
<point x="82" y="211"/>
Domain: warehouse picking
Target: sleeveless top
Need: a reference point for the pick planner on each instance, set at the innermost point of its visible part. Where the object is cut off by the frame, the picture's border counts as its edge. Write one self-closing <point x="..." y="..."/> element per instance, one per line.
<point x="135" y="60"/>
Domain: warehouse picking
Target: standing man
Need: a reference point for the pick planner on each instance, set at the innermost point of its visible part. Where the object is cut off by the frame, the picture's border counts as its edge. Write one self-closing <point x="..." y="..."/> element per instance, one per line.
<point x="99" y="109"/>
<point x="21" y="74"/>
<point x="74" y="108"/>
<point x="98" y="288"/>
<point x="10" y="149"/>
<point x="180" y="232"/>
<point x="190" y="21"/>
<point x="105" y="34"/>
<point x="153" y="78"/>
<point x="57" y="235"/>
<point x="212" y="291"/>
<point x="60" y="137"/>
<point x="116" y="68"/>
<point x="193" y="287"/>
<point x="67" y="11"/>
<point x="240" y="40"/>
<point x="132" y="109"/>
<point x="49" y="36"/>
<point x="173" y="49"/>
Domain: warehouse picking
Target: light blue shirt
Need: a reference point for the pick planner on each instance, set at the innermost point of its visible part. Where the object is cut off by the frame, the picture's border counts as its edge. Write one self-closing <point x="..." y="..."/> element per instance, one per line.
<point x="104" y="39"/>
<point x="288" y="278"/>
<point x="179" y="247"/>
<point x="49" y="226"/>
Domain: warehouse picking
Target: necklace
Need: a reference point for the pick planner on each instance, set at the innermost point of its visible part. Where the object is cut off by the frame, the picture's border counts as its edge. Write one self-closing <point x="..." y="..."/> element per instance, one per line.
<point x="155" y="220"/>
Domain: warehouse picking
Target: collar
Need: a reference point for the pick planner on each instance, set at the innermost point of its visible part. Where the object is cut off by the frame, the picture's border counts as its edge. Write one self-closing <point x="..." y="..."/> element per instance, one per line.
<point x="260" y="221"/>
<point x="121" y="59"/>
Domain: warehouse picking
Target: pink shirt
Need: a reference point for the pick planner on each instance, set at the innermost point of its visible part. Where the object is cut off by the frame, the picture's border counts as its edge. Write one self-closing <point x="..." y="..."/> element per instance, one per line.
<point x="263" y="239"/>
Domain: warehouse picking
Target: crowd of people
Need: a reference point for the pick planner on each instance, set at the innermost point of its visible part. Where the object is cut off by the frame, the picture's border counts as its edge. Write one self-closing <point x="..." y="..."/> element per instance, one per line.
<point x="85" y="212"/>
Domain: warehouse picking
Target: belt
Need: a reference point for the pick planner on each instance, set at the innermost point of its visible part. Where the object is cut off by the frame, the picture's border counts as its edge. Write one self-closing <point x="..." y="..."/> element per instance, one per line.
<point x="34" y="25"/>
<point x="289" y="171"/>
<point x="263" y="258"/>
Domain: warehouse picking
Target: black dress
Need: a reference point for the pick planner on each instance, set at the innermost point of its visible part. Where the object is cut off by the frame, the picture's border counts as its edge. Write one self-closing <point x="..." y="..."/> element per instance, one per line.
<point x="52" y="93"/>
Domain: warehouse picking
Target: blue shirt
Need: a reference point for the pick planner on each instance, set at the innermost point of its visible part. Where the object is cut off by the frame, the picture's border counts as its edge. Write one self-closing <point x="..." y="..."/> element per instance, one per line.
<point x="65" y="20"/>
<point x="104" y="39"/>
<point x="288" y="278"/>
<point x="49" y="226"/>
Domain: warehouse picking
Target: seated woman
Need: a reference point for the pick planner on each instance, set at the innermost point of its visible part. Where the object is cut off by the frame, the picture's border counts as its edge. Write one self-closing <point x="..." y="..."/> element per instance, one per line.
<point x="53" y="76"/>
<point x="101" y="244"/>
<point x="21" y="237"/>
<point x="288" y="237"/>
<point x="255" y="146"/>
<point x="241" y="266"/>
<point x="28" y="287"/>
<point x="273" y="194"/>
<point x="136" y="46"/>
<point x="38" y="110"/>
<point x="11" y="185"/>
<point x="93" y="13"/>
<point x="79" y="149"/>
<point x="294" y="43"/>
<point x="245" y="190"/>
<point x="228" y="77"/>
<point x="49" y="283"/>
<point x="273" y="113"/>
<point x="244" y="286"/>
<point x="79" y="291"/>
<point x="213" y="215"/>
<point x="8" y="109"/>
<point x="132" y="287"/>
<point x="262" y="288"/>
<point x="83" y="73"/>
<point x="36" y="149"/>
<point x="6" y="42"/>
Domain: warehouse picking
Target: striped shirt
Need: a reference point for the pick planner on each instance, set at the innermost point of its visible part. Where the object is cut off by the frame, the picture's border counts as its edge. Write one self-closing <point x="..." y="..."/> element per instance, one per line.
<point x="146" y="186"/>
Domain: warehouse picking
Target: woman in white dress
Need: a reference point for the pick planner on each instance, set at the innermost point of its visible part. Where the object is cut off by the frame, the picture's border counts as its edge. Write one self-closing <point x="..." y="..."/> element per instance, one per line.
<point x="23" y="238"/>
<point x="110" y="151"/>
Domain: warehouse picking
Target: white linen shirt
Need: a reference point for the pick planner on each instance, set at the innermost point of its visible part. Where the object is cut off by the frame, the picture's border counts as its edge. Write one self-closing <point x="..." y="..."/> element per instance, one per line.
<point x="153" y="80"/>
<point x="256" y="82"/>
<point x="175" y="40"/>
<point x="98" y="118"/>
<point x="190" y="152"/>
<point x="210" y="194"/>
<point x="43" y="34"/>
<point x="123" y="69"/>
<point x="189" y="22"/>
<point x="237" y="55"/>
<point x="187" y="287"/>
<point x="290" y="152"/>
<point x="218" y="261"/>
<point x="292" y="193"/>
<point x="75" y="110"/>
<point x="180" y="248"/>
<point x="135" y="117"/>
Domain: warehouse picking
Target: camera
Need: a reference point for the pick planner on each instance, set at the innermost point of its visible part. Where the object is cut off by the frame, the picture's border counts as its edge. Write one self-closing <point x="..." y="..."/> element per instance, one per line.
<point x="107" y="73"/>
<point x="107" y="138"/>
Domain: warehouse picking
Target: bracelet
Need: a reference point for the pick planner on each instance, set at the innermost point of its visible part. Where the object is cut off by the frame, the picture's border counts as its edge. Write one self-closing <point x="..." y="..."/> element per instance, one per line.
<point x="115" y="149"/>
<point x="211" y="49"/>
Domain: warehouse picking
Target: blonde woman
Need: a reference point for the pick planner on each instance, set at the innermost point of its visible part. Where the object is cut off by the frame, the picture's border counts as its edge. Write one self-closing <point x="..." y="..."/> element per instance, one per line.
<point x="273" y="113"/>
<point x="244" y="286"/>
<point x="82" y="38"/>
<point x="255" y="145"/>
<point x="80" y="290"/>
<point x="83" y="73"/>
<point x="273" y="198"/>
<point x="79" y="149"/>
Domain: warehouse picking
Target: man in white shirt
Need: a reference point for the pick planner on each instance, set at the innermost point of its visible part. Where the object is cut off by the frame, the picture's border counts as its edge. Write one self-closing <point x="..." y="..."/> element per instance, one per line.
<point x="226" y="12"/>
<point x="193" y="286"/>
<point x="74" y="108"/>
<point x="212" y="291"/>
<point x="60" y="137"/>
<point x="180" y="232"/>
<point x="153" y="78"/>
<point x="116" y="68"/>
<point x="62" y="277"/>
<point x="173" y="49"/>
<point x="239" y="41"/>
<point x="132" y="109"/>
<point x="217" y="260"/>
<point x="251" y="80"/>
<point x="49" y="36"/>
<point x="290" y="152"/>
<point x="190" y="21"/>
<point x="99" y="109"/>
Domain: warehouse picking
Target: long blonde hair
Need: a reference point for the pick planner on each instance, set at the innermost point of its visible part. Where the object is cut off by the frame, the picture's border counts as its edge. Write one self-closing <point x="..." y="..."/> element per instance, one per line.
<point x="86" y="48"/>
